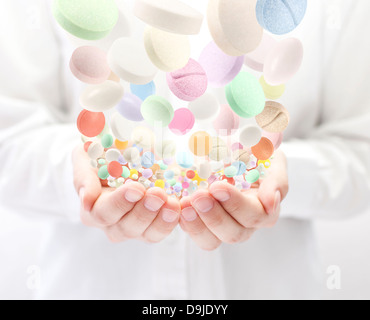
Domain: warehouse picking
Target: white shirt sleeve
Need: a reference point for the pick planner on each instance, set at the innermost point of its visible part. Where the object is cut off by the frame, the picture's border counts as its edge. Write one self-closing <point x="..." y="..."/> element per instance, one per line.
<point x="329" y="170"/>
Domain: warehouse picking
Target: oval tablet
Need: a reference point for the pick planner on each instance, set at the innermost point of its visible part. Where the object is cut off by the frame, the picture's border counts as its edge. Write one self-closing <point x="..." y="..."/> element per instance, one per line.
<point x="143" y="137"/>
<point x="89" y="64"/>
<point x="90" y="124"/>
<point x="200" y="144"/>
<point x="182" y="122"/>
<point x="274" y="118"/>
<point x="95" y="150"/>
<point x="245" y="95"/>
<point x="263" y="150"/>
<point x="234" y="26"/>
<point x="227" y="121"/>
<point x="283" y="61"/>
<point x="128" y="59"/>
<point x="167" y="51"/>
<point x="101" y="97"/>
<point x="206" y="108"/>
<point x="280" y="16"/>
<point x="86" y="19"/>
<point x="157" y="111"/>
<point x="250" y="136"/>
<point x="130" y="107"/>
<point x="169" y="15"/>
<point x="220" y="68"/>
<point x="121" y="127"/>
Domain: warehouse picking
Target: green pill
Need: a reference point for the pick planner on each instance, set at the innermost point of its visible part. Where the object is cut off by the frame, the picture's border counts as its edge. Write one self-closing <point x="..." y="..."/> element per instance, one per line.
<point x="157" y="111"/>
<point x="245" y="95"/>
<point x="126" y="172"/>
<point x="86" y="19"/>
<point x="231" y="172"/>
<point x="102" y="162"/>
<point x="103" y="173"/>
<point x="107" y="141"/>
<point x="253" y="176"/>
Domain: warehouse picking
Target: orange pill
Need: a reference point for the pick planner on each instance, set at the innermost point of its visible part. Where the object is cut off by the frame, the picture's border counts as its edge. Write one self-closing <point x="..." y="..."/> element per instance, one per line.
<point x="155" y="168"/>
<point x="91" y="124"/>
<point x="121" y="145"/>
<point x="263" y="150"/>
<point x="200" y="144"/>
<point x="115" y="169"/>
<point x="87" y="145"/>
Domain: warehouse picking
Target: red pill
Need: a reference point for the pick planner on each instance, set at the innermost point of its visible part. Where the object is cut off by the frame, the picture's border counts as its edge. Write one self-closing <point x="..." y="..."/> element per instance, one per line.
<point x="263" y="150"/>
<point x="115" y="169"/>
<point x="87" y="145"/>
<point x="190" y="174"/>
<point x="91" y="124"/>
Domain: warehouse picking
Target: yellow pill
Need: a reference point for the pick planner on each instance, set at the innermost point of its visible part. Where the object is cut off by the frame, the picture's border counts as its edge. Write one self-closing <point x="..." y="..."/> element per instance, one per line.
<point x="266" y="163"/>
<point x="272" y="92"/>
<point x="133" y="172"/>
<point x="121" y="145"/>
<point x="198" y="179"/>
<point x="159" y="184"/>
<point x="200" y="144"/>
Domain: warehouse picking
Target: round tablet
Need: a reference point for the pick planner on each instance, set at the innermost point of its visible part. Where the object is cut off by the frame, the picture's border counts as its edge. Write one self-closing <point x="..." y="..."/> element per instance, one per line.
<point x="157" y="111"/>
<point x="101" y="97"/>
<point x="121" y="145"/>
<point x="182" y="122"/>
<point x="147" y="160"/>
<point x="275" y="138"/>
<point x="200" y="143"/>
<point x="121" y="127"/>
<point x="107" y="140"/>
<point x="234" y="26"/>
<point x="263" y="150"/>
<point x="220" y="68"/>
<point x="185" y="159"/>
<point x="169" y="15"/>
<point x="125" y="172"/>
<point x="283" y="61"/>
<point x="115" y="169"/>
<point x="128" y="59"/>
<point x="130" y="107"/>
<point x="188" y="83"/>
<point x="250" y="136"/>
<point x="89" y="64"/>
<point x="206" y="108"/>
<point x="167" y="51"/>
<point x="219" y="150"/>
<point x="245" y="95"/>
<point x="241" y="167"/>
<point x="272" y="92"/>
<point x="90" y="124"/>
<point x="256" y="59"/>
<point x="227" y="122"/>
<point x="95" y="150"/>
<point x="112" y="155"/>
<point x="143" y="91"/>
<point x="143" y="137"/>
<point x="132" y="155"/>
<point x="280" y="16"/>
<point x="165" y="149"/>
<point x="274" y="118"/>
<point x="253" y="176"/>
<point x="86" y="19"/>
<point x="103" y="173"/>
<point x="242" y="155"/>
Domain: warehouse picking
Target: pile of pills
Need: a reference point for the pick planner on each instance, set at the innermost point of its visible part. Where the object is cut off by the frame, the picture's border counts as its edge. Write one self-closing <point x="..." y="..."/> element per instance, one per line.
<point x="124" y="150"/>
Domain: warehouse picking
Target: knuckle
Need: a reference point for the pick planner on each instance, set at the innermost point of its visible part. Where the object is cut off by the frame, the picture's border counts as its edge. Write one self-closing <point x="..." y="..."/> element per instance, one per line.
<point x="215" y="222"/>
<point x="234" y="238"/>
<point x="101" y="220"/>
<point x="129" y="233"/>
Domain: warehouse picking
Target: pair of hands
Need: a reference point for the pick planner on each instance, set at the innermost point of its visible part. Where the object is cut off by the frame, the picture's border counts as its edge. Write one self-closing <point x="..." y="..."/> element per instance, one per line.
<point x="221" y="214"/>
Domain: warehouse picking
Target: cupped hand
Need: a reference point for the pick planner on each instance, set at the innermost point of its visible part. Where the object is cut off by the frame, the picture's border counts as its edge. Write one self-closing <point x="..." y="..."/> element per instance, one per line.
<point x="129" y="212"/>
<point x="223" y="214"/>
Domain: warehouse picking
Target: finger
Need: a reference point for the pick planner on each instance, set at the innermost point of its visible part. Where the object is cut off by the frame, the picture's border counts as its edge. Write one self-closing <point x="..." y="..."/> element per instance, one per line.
<point x="113" y="204"/>
<point x="165" y="222"/>
<point x="217" y="220"/>
<point x="244" y="207"/>
<point x="86" y="180"/>
<point x="134" y="224"/>
<point x="191" y="223"/>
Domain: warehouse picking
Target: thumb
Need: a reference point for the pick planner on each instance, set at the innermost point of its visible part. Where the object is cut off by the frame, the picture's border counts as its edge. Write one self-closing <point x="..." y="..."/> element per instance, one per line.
<point x="86" y="180"/>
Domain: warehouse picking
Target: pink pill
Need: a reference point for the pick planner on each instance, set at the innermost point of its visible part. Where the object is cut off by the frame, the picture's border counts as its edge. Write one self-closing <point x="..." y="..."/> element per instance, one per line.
<point x="275" y="138"/>
<point x="183" y="121"/>
<point x="188" y="83"/>
<point x="185" y="185"/>
<point x="89" y="64"/>
<point x="236" y="146"/>
<point x="221" y="68"/>
<point x="283" y="61"/>
<point x="256" y="59"/>
<point x="227" y="121"/>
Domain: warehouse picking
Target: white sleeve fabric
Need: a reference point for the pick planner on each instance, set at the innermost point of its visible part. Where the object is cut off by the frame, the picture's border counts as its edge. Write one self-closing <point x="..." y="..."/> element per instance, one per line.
<point x="329" y="170"/>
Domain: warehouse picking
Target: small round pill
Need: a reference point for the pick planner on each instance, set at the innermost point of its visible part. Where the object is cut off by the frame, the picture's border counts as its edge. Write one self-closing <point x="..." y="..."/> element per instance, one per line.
<point x="159" y="184"/>
<point x="95" y="150"/>
<point x="121" y="145"/>
<point x="132" y="155"/>
<point x="231" y="171"/>
<point x="125" y="172"/>
<point x="103" y="173"/>
<point x="241" y="167"/>
<point x="112" y="155"/>
<point x="115" y="169"/>
<point x="253" y="176"/>
<point x="263" y="150"/>
<point x="90" y="124"/>
<point x="182" y="122"/>
<point x="107" y="141"/>
<point x="274" y="118"/>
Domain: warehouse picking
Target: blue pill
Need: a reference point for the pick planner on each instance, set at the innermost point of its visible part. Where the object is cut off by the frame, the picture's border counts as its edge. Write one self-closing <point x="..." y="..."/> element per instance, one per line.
<point x="143" y="91"/>
<point x="185" y="159"/>
<point x="280" y="16"/>
<point x="241" y="167"/>
<point x="147" y="160"/>
<point x="169" y="175"/>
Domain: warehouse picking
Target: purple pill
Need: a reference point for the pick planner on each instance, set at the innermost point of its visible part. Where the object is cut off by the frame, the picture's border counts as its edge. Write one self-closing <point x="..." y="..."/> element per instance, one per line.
<point x="147" y="173"/>
<point x="130" y="107"/>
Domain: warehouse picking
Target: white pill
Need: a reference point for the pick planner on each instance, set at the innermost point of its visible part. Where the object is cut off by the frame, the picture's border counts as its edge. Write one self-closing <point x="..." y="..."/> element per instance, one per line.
<point x="131" y="155"/>
<point x="250" y="136"/>
<point x="94" y="163"/>
<point x="128" y="59"/>
<point x="101" y="97"/>
<point x="233" y="25"/>
<point x="217" y="166"/>
<point x="169" y="15"/>
<point x="112" y="155"/>
<point x="205" y="170"/>
<point x="203" y="185"/>
<point x="166" y="149"/>
<point x="143" y="137"/>
<point x="206" y="108"/>
<point x="95" y="150"/>
<point x="121" y="127"/>
<point x="219" y="150"/>
<point x="167" y="51"/>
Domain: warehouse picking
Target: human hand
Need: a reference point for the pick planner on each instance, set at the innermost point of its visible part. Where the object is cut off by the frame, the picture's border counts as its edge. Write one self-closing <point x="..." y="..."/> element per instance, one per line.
<point x="130" y="212"/>
<point x="224" y="214"/>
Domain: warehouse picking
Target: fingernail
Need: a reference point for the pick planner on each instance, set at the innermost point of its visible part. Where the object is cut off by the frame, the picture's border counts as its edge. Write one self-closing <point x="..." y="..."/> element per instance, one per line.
<point x="169" y="215"/>
<point x="189" y="214"/>
<point x="277" y="202"/>
<point x="133" y="195"/>
<point x="221" y="195"/>
<point x="203" y="205"/>
<point x="153" y="203"/>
